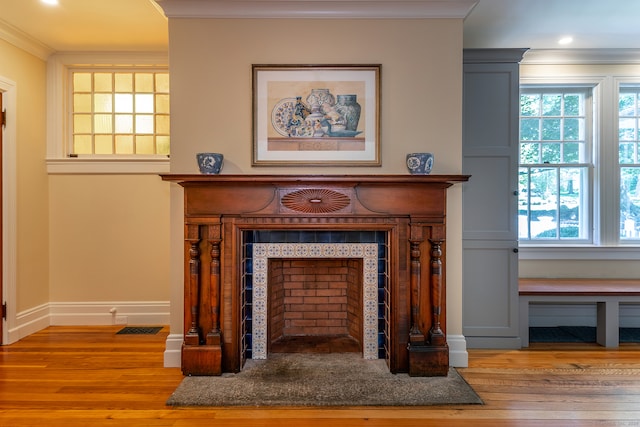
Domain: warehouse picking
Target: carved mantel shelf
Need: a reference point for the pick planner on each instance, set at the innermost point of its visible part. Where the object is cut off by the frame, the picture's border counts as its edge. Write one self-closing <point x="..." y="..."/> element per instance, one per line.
<point x="410" y="208"/>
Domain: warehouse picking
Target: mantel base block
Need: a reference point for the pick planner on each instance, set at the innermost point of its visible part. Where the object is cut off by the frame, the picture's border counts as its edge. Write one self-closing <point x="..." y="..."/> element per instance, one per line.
<point x="428" y="361"/>
<point x="202" y="360"/>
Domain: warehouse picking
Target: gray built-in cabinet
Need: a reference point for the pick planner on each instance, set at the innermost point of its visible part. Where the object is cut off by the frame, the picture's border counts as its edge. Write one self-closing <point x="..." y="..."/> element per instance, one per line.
<point x="490" y="200"/>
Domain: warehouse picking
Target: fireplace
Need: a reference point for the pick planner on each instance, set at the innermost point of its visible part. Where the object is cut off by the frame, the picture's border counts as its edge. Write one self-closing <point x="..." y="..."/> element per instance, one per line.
<point x="325" y="289"/>
<point x="247" y="235"/>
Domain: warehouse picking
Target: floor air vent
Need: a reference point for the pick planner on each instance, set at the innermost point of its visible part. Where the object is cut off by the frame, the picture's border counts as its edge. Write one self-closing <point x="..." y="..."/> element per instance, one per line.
<point x="139" y="330"/>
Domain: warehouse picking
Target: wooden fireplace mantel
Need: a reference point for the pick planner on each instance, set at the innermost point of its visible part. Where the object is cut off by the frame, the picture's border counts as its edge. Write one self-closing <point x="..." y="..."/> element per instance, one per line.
<point x="410" y="208"/>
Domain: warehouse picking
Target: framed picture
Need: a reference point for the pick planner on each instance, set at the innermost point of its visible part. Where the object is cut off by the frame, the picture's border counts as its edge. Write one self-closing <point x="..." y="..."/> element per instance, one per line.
<point x="316" y="115"/>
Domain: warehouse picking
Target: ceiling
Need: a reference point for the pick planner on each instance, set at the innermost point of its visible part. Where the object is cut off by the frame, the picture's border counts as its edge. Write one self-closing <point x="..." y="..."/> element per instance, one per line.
<point x="140" y="25"/>
<point x="88" y="25"/>
<point x="538" y="24"/>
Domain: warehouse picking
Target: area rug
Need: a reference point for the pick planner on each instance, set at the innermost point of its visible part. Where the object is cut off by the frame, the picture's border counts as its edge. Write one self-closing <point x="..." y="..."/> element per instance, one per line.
<point x="306" y="379"/>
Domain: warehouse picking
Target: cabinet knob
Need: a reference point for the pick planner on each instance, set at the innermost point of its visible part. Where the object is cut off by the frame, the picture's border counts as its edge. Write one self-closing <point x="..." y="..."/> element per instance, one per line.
<point x="515" y="250"/>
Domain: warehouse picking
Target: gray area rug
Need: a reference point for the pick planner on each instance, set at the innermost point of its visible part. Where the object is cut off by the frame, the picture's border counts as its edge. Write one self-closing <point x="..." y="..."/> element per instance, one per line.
<point x="306" y="379"/>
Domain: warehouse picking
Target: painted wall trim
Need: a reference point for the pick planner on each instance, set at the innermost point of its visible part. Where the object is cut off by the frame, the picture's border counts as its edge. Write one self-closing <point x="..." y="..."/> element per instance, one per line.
<point x="9" y="207"/>
<point x="137" y="313"/>
<point x="597" y="253"/>
<point x="458" y="355"/>
<point x="22" y="40"/>
<point x="581" y="56"/>
<point x="58" y="69"/>
<point x="109" y="313"/>
<point x="173" y="351"/>
<point x="101" y="166"/>
<point x="332" y="9"/>
<point x="28" y="322"/>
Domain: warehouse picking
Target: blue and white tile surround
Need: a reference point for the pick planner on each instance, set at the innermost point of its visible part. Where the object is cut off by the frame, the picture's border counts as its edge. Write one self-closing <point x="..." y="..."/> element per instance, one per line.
<point x="370" y="246"/>
<point x="368" y="252"/>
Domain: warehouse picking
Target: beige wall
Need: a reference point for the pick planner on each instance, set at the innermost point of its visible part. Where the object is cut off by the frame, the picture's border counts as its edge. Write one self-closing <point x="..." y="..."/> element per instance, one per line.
<point x="590" y="268"/>
<point x="421" y="110"/>
<point x="109" y="238"/>
<point x="80" y="238"/>
<point x="32" y="229"/>
<point x="210" y="64"/>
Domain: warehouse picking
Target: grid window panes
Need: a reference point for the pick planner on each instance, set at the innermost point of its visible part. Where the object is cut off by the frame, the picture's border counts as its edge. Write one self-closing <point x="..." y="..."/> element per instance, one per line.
<point x="554" y="191"/>
<point x="120" y="113"/>
<point x="629" y="161"/>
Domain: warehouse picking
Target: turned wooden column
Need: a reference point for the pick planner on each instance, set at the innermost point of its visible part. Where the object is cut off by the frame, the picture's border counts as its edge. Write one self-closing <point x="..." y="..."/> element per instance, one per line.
<point x="436" y="336"/>
<point x="192" y="297"/>
<point x="415" y="334"/>
<point x="213" y="337"/>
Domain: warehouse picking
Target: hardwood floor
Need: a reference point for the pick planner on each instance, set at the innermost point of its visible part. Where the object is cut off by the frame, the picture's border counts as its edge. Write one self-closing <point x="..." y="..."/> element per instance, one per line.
<point x="89" y="376"/>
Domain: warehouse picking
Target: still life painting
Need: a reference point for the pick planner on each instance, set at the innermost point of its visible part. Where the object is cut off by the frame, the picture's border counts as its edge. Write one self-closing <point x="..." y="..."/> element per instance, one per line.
<point x="316" y="115"/>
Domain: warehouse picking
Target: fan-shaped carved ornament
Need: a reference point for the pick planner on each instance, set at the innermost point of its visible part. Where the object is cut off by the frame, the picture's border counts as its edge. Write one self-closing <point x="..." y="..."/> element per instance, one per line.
<point x="315" y="200"/>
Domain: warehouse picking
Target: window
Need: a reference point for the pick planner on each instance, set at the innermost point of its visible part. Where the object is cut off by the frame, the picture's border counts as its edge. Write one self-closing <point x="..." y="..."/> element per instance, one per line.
<point x="108" y="113"/>
<point x="119" y="113"/>
<point x="629" y="161"/>
<point x="555" y="191"/>
<point x="579" y="175"/>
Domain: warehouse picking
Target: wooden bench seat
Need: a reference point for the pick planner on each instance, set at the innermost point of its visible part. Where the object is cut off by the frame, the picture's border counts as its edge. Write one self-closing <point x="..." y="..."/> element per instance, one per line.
<point x="606" y="293"/>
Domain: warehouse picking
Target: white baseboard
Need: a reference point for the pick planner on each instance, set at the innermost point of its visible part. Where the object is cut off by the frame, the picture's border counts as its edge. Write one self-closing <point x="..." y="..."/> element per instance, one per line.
<point x="28" y="322"/>
<point x="173" y="351"/>
<point x="37" y="318"/>
<point x="458" y="355"/>
<point x="109" y="313"/>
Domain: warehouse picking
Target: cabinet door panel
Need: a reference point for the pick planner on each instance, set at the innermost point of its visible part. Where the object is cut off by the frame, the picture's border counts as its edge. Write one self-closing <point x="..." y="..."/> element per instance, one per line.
<point x="490" y="227"/>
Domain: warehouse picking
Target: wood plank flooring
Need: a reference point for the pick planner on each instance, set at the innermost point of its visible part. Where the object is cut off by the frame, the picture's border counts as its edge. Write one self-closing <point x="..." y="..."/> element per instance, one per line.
<point x="89" y="376"/>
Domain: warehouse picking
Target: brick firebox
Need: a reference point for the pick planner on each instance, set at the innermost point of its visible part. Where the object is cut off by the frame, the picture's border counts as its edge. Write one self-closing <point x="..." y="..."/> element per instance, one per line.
<point x="315" y="298"/>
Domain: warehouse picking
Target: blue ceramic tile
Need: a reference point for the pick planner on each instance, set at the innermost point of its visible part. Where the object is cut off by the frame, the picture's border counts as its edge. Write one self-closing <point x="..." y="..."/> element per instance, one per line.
<point x="308" y="237"/>
<point x="321" y="236"/>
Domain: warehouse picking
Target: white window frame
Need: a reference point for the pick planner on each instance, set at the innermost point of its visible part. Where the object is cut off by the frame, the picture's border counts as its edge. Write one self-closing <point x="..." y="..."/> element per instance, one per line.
<point x="591" y="143"/>
<point x="606" y="243"/>
<point x="617" y="82"/>
<point x="59" y="67"/>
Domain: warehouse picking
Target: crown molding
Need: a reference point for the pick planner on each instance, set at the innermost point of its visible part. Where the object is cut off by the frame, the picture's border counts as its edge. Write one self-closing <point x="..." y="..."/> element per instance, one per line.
<point x="22" y="40"/>
<point x="352" y="9"/>
<point x="483" y="56"/>
<point x="581" y="56"/>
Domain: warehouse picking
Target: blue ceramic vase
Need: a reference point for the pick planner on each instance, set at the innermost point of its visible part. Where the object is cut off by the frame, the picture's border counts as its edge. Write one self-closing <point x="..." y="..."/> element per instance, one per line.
<point x="210" y="163"/>
<point x="419" y="163"/>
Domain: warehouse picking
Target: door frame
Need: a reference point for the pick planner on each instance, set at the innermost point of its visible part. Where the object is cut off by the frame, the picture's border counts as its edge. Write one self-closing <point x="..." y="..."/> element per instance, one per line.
<point x="9" y="209"/>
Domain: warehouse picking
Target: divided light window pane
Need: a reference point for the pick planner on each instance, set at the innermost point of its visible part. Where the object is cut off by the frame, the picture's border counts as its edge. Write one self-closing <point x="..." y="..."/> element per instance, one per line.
<point x="554" y="191"/>
<point x="120" y="113"/>
<point x="629" y="161"/>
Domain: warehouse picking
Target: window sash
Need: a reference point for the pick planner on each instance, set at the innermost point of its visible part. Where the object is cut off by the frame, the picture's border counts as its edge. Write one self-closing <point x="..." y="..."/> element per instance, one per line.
<point x="58" y="160"/>
<point x="118" y="112"/>
<point x="628" y="132"/>
<point x="558" y="153"/>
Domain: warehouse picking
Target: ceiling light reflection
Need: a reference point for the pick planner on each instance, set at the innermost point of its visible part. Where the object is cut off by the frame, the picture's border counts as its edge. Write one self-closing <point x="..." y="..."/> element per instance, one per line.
<point x="565" y="40"/>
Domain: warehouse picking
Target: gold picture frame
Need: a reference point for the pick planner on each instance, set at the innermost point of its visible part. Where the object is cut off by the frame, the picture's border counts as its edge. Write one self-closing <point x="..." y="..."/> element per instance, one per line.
<point x="316" y="115"/>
